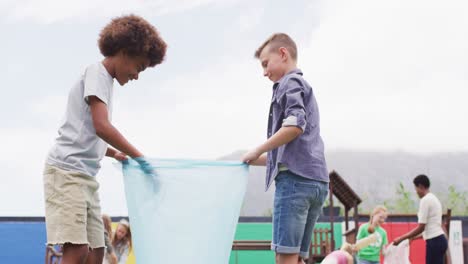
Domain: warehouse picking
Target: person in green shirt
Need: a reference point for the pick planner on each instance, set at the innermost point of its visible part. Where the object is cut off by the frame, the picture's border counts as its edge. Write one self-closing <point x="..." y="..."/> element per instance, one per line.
<point x="371" y="254"/>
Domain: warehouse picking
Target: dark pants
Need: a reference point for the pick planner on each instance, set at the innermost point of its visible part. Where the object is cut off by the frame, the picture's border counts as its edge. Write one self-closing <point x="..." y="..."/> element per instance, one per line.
<point x="435" y="250"/>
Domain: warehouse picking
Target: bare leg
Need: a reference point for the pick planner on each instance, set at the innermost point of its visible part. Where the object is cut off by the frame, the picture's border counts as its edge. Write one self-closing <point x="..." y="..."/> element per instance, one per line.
<point x="95" y="256"/>
<point x="288" y="258"/>
<point x="301" y="261"/>
<point x="74" y="254"/>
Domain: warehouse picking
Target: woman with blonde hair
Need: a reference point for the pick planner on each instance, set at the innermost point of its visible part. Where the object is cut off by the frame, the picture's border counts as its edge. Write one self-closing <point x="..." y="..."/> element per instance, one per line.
<point x="122" y="241"/>
<point x="371" y="253"/>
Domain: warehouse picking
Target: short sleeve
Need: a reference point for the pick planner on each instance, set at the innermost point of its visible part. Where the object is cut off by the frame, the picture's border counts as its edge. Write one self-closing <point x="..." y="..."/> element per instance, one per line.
<point x="423" y="212"/>
<point x="96" y="84"/>
<point x="361" y="232"/>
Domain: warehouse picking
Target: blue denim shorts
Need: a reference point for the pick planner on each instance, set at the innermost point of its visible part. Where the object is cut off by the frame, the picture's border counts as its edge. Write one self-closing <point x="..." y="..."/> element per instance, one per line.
<point x="297" y="205"/>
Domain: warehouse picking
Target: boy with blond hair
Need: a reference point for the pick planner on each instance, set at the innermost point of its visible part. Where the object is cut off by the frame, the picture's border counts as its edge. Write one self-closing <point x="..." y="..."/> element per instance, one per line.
<point x="293" y="152"/>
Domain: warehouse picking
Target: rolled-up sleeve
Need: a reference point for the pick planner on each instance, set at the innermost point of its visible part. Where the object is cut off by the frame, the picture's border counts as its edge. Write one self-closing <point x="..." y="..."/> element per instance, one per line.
<point x="293" y="104"/>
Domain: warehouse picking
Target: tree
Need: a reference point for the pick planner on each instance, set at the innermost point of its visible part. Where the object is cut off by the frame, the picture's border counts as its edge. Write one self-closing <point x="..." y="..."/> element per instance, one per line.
<point x="457" y="201"/>
<point x="404" y="203"/>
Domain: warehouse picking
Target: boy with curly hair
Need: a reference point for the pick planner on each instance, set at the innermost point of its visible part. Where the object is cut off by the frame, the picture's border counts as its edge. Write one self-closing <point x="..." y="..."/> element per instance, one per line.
<point x="73" y="215"/>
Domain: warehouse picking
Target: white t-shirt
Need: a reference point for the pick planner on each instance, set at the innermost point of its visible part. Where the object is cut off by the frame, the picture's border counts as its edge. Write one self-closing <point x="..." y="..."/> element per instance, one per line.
<point x="430" y="213"/>
<point x="77" y="147"/>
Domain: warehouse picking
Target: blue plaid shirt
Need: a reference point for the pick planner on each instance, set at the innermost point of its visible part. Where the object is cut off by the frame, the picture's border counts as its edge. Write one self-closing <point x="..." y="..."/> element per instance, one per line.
<point x="293" y="104"/>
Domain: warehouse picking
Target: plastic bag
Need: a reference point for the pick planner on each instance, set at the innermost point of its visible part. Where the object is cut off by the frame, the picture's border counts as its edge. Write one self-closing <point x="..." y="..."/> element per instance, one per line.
<point x="397" y="254"/>
<point x="187" y="213"/>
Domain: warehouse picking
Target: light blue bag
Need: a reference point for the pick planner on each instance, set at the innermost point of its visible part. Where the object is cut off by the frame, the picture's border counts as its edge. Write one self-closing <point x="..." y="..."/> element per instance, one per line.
<point x="187" y="213"/>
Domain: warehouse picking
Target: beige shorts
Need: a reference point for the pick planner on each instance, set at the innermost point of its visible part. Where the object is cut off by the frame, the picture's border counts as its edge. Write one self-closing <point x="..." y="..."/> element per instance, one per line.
<point x="73" y="213"/>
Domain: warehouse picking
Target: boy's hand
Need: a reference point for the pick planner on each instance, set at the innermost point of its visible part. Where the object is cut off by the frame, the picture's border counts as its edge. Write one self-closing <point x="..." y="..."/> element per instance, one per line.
<point x="145" y="166"/>
<point x="120" y="156"/>
<point x="397" y="241"/>
<point x="251" y="156"/>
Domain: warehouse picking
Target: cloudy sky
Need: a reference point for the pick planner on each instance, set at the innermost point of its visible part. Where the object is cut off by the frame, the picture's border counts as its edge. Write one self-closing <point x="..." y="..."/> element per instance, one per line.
<point x="388" y="75"/>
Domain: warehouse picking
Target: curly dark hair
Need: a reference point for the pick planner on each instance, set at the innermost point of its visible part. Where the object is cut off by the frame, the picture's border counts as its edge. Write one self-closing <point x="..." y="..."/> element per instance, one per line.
<point x="133" y="35"/>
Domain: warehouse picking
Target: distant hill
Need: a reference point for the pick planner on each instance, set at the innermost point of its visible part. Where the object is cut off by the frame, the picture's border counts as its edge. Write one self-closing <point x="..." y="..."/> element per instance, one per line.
<point x="376" y="176"/>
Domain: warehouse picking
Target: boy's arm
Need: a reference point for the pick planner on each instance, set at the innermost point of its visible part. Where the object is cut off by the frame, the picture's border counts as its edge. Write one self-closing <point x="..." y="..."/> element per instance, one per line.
<point x="106" y="131"/>
<point x="422" y="221"/>
<point x="116" y="154"/>
<point x="293" y="125"/>
<point x="416" y="237"/>
<point x="413" y="233"/>
<point x="110" y="152"/>
<point x="261" y="161"/>
<point x="285" y="135"/>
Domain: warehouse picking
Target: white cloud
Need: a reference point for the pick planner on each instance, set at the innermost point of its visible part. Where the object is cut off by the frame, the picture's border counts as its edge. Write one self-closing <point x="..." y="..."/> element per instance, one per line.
<point x="50" y="11"/>
<point x="252" y="17"/>
<point x="391" y="75"/>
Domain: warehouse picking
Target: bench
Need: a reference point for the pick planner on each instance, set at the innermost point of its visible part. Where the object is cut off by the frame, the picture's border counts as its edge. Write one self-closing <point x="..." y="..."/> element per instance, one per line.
<point x="319" y="247"/>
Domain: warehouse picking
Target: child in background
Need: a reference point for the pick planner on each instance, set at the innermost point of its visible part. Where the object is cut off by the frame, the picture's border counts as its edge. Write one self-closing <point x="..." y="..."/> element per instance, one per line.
<point x="371" y="254"/>
<point x="122" y="241"/>
<point x="429" y="223"/>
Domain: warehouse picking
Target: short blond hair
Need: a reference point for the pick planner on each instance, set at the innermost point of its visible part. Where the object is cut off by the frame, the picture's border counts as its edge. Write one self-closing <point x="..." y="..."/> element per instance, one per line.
<point x="277" y="41"/>
<point x="377" y="209"/>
